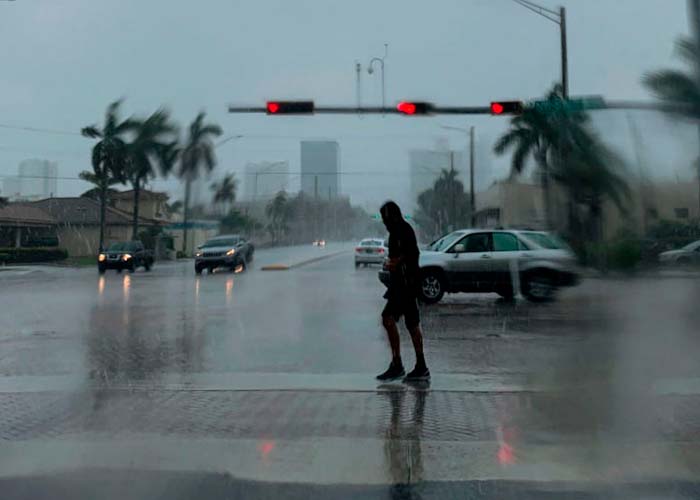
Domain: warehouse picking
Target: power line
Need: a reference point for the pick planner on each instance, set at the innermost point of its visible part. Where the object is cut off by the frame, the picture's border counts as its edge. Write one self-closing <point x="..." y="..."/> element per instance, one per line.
<point x="40" y="130"/>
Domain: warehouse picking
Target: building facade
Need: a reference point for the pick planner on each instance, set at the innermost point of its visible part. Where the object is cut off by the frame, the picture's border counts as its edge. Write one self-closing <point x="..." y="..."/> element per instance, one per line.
<point x="320" y="169"/>
<point x="263" y="180"/>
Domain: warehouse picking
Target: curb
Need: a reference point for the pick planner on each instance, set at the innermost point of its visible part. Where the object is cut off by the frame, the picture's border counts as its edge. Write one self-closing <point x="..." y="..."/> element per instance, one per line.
<point x="287" y="267"/>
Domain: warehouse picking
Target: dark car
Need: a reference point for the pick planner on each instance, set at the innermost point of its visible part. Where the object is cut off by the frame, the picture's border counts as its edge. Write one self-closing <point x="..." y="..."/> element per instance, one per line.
<point x="231" y="251"/>
<point x="127" y="255"/>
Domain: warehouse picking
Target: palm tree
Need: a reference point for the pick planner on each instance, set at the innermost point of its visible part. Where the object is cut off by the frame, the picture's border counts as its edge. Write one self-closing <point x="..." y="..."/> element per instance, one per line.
<point x="278" y="211"/>
<point x="174" y="207"/>
<point x="197" y="154"/>
<point x="445" y="206"/>
<point x="680" y="88"/>
<point x="153" y="150"/>
<point x="544" y="136"/>
<point x="591" y="176"/>
<point x="102" y="191"/>
<point x="225" y="191"/>
<point x="109" y="157"/>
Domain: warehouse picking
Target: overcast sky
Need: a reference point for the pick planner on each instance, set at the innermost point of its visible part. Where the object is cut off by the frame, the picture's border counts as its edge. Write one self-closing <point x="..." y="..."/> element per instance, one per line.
<point x="64" y="61"/>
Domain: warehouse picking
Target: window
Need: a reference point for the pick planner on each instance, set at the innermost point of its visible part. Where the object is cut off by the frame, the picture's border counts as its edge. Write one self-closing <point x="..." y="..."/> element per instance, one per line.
<point x="443" y="243"/>
<point x="681" y="213"/>
<point x="480" y="242"/>
<point x="504" y="242"/>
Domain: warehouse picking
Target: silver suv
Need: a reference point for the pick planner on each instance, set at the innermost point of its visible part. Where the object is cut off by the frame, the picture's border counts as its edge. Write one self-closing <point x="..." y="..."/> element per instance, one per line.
<point x="489" y="260"/>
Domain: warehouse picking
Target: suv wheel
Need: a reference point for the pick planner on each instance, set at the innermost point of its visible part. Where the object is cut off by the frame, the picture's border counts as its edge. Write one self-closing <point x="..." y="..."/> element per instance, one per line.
<point x="539" y="288"/>
<point x="432" y="287"/>
<point x="198" y="269"/>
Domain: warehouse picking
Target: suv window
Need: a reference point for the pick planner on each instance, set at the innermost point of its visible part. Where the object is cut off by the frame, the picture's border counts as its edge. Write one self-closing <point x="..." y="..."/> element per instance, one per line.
<point x="505" y="242"/>
<point x="480" y="242"/>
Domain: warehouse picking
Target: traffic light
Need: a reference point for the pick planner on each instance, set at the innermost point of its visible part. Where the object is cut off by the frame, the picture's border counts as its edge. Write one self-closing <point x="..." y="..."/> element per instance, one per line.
<point x="414" y="108"/>
<point x="507" y="108"/>
<point x="290" y="107"/>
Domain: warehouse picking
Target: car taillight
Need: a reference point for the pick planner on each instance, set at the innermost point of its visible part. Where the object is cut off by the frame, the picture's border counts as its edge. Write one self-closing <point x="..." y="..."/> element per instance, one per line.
<point x="358" y="249"/>
<point x="381" y="250"/>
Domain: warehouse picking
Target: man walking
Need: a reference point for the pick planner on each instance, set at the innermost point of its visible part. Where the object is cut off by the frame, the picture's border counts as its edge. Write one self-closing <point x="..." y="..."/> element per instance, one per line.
<point x="401" y="294"/>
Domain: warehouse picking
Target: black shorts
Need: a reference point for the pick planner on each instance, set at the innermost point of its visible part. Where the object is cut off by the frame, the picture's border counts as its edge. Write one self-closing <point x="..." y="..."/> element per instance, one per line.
<point x="403" y="304"/>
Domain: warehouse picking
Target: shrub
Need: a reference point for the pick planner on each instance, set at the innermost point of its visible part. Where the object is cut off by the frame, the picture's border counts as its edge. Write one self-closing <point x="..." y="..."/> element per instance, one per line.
<point x="26" y="255"/>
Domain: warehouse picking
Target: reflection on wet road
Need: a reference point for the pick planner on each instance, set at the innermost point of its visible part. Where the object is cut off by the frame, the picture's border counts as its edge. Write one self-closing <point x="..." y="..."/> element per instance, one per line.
<point x="268" y="376"/>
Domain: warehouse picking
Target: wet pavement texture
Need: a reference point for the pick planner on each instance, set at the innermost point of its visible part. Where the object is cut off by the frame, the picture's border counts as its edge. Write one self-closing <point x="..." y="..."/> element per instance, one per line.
<point x="263" y="382"/>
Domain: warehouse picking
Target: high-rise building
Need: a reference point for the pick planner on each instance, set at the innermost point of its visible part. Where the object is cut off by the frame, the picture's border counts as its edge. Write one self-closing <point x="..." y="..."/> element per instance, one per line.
<point x="320" y="169"/>
<point x="263" y="180"/>
<point x="38" y="178"/>
<point x="426" y="164"/>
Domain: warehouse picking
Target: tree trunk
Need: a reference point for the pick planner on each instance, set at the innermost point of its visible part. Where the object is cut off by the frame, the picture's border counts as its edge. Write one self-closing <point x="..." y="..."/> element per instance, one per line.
<point x="186" y="214"/>
<point x="137" y="196"/>
<point x="103" y="212"/>
<point x="546" y="198"/>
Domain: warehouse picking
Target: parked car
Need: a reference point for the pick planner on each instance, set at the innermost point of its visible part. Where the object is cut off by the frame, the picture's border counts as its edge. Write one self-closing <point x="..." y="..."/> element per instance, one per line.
<point x="127" y="255"/>
<point x="484" y="260"/>
<point x="689" y="254"/>
<point x="370" y="251"/>
<point x="319" y="243"/>
<point x="231" y="251"/>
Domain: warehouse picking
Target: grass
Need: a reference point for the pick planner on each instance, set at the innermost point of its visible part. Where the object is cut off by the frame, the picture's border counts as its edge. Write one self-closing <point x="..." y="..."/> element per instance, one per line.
<point x="79" y="261"/>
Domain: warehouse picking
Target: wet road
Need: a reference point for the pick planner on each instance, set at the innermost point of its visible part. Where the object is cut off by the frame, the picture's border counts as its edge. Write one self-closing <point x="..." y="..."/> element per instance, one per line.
<point x="249" y="382"/>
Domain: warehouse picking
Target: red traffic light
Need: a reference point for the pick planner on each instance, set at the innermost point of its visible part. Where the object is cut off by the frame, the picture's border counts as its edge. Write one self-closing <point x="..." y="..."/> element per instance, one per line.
<point x="290" y="107"/>
<point x="507" y="107"/>
<point x="407" y="108"/>
<point x="414" y="108"/>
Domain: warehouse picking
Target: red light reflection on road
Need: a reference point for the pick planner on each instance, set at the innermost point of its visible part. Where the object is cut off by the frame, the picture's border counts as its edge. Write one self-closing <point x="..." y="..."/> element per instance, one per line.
<point x="505" y="454"/>
<point x="266" y="448"/>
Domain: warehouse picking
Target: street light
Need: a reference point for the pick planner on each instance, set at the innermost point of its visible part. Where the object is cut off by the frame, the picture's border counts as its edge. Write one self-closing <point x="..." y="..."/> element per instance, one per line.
<point x="370" y="70"/>
<point x="560" y="19"/>
<point x="223" y="141"/>
<point x="470" y="132"/>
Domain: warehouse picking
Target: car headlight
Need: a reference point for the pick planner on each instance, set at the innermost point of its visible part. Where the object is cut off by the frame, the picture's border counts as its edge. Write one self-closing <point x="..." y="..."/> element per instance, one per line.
<point x="231" y="252"/>
<point x="126" y="256"/>
<point x="101" y="257"/>
<point x="198" y="254"/>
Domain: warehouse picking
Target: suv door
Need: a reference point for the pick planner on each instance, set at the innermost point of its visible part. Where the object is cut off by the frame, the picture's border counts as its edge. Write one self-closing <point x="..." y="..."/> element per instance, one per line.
<point x="469" y="265"/>
<point x="507" y="249"/>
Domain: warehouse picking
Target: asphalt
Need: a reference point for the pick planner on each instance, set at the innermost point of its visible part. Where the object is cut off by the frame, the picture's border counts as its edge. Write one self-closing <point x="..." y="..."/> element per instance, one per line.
<point x="260" y="385"/>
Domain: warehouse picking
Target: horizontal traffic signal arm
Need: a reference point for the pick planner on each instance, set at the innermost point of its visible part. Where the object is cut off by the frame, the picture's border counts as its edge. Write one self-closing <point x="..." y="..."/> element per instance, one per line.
<point x="454" y="110"/>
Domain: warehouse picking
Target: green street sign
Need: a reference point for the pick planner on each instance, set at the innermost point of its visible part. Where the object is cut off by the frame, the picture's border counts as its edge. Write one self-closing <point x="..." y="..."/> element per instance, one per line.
<point x="575" y="104"/>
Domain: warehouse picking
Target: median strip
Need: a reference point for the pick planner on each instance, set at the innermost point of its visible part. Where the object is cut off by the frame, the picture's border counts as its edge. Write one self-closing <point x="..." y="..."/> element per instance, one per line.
<point x="286" y="267"/>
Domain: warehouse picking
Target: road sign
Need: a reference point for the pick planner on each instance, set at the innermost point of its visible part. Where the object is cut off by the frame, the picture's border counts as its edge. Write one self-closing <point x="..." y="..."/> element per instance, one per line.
<point x="575" y="104"/>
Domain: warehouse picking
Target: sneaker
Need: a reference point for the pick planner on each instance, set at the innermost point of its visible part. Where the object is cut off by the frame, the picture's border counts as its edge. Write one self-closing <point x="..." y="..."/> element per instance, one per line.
<point x="393" y="372"/>
<point x="419" y="373"/>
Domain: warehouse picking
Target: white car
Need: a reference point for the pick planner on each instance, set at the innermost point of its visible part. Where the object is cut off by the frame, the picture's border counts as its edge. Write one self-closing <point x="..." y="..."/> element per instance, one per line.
<point x="689" y="254"/>
<point x="370" y="251"/>
<point x="484" y="260"/>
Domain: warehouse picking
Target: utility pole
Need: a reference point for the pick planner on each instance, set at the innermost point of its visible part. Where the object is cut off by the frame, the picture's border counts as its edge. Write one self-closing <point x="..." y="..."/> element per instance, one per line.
<point x="358" y="83"/>
<point x="564" y="53"/>
<point x="694" y="19"/>
<point x="472" y="200"/>
<point x="453" y="215"/>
